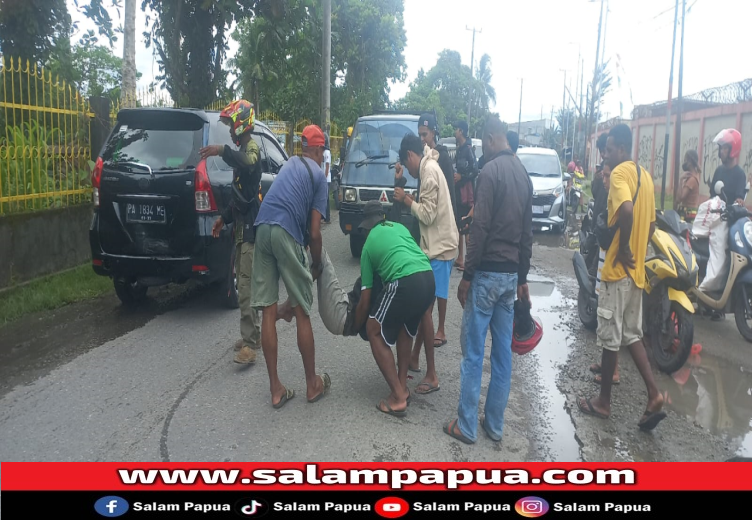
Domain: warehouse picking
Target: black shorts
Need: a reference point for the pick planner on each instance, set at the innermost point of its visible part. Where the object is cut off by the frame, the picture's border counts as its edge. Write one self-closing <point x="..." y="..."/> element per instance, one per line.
<point x="402" y="303"/>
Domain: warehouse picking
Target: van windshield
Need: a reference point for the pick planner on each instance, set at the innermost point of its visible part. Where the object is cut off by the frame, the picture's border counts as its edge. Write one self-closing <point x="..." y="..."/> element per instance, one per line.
<point x="373" y="149"/>
<point x="541" y="165"/>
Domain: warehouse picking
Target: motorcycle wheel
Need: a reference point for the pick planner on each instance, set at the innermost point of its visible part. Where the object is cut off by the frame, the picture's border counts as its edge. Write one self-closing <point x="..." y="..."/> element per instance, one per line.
<point x="671" y="348"/>
<point x="588" y="314"/>
<point x="740" y="313"/>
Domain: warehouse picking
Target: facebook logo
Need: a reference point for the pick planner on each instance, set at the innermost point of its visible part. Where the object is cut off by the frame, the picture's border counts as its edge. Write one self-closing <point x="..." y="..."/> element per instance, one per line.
<point x="111" y="506"/>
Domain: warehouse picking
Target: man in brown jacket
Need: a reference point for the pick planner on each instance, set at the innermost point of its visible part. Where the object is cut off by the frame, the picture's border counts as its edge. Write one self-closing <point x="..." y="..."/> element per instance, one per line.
<point x="496" y="268"/>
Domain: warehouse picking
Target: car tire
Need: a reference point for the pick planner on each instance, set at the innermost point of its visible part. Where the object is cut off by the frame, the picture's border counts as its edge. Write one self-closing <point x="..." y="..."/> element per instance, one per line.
<point x="130" y="293"/>
<point x="230" y="296"/>
<point x="356" y="245"/>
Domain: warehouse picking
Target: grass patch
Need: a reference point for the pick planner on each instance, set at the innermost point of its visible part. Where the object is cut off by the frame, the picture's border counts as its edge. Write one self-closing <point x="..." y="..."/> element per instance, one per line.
<point x="52" y="292"/>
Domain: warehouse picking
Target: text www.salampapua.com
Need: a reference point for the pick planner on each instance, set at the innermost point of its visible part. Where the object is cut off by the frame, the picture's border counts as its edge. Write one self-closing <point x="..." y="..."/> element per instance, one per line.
<point x="394" y="478"/>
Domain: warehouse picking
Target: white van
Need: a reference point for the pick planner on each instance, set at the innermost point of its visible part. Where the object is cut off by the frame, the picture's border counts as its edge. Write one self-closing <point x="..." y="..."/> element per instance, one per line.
<point x="549" y="182"/>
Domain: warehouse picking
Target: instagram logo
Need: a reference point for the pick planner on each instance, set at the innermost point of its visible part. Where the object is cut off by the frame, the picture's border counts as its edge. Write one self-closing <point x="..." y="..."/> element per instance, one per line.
<point x="531" y="507"/>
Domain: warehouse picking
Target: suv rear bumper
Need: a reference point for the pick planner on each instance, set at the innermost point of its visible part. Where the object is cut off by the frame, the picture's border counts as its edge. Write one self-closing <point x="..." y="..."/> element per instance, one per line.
<point x="209" y="260"/>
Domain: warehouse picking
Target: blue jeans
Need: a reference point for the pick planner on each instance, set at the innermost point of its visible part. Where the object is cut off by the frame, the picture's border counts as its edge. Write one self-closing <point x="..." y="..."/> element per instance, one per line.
<point x="490" y="302"/>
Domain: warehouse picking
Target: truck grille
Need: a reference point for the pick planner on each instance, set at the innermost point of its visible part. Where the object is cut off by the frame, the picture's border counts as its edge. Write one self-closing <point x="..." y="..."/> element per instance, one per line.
<point x="368" y="195"/>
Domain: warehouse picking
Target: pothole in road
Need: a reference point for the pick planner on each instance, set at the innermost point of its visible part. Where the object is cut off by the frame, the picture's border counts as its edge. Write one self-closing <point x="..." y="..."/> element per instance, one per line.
<point x="549" y="305"/>
<point x="714" y="394"/>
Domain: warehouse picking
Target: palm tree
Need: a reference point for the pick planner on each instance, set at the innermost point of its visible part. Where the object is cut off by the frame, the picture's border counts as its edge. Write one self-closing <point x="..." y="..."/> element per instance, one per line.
<point x="482" y="91"/>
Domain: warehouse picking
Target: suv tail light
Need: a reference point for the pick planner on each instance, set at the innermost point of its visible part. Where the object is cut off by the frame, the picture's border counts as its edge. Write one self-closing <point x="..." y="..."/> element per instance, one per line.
<point x="96" y="180"/>
<point x="204" y="196"/>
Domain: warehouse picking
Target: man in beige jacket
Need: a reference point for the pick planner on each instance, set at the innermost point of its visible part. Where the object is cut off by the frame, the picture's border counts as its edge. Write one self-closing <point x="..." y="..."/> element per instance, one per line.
<point x="439" y="237"/>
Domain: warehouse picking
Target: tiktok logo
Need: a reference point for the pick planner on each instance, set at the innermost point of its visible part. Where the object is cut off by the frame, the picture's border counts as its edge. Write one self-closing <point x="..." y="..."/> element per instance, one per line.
<point x="251" y="507"/>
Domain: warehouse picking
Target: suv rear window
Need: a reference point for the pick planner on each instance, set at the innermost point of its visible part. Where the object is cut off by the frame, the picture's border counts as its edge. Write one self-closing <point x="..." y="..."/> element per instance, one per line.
<point x="161" y="141"/>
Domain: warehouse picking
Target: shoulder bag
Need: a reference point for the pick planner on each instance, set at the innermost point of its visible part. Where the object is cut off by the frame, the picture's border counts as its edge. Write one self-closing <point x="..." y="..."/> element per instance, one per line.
<point x="603" y="232"/>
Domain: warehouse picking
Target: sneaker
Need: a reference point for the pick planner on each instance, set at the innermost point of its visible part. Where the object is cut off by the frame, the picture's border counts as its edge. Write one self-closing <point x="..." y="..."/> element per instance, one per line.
<point x="246" y="356"/>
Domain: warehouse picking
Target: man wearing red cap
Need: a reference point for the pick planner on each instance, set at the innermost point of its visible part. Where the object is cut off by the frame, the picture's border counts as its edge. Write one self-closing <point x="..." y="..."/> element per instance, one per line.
<point x="288" y="222"/>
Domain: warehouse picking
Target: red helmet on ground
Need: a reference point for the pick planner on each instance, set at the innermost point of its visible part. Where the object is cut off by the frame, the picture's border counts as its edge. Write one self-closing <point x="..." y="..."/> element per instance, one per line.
<point x="240" y="117"/>
<point x="527" y="331"/>
<point x="730" y="137"/>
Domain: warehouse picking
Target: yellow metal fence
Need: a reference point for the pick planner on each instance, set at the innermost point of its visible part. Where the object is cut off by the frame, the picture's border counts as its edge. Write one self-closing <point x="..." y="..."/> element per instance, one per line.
<point x="45" y="158"/>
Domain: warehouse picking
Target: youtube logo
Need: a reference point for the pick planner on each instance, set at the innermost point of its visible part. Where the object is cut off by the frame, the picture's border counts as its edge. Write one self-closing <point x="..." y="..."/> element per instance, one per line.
<point x="391" y="507"/>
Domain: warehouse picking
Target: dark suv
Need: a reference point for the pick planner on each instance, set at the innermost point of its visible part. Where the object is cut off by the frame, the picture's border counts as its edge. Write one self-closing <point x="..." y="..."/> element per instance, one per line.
<point x="155" y="201"/>
<point x="368" y="173"/>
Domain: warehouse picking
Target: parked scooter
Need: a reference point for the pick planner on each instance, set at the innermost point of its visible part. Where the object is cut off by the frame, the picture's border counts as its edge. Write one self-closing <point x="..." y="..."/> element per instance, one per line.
<point x="670" y="271"/>
<point x="585" y="262"/>
<point x="737" y="292"/>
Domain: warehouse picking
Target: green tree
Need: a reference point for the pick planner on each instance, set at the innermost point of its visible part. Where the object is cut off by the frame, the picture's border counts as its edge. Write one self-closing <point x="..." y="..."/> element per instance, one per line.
<point x="446" y="88"/>
<point x="189" y="38"/>
<point x="279" y="59"/>
<point x="33" y="29"/>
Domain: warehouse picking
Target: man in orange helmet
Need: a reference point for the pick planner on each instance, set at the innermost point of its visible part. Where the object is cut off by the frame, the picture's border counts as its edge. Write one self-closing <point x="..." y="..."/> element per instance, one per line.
<point x="242" y="210"/>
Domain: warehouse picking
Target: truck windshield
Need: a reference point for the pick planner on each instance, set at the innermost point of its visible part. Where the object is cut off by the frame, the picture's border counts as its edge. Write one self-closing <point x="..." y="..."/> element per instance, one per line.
<point x="374" y="150"/>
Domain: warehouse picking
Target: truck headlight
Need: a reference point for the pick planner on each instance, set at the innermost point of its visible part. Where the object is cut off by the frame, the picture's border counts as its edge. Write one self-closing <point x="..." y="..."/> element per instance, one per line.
<point x="351" y="195"/>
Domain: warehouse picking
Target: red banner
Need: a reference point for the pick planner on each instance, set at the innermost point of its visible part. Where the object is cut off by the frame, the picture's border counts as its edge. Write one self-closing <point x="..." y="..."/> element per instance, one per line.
<point x="115" y="476"/>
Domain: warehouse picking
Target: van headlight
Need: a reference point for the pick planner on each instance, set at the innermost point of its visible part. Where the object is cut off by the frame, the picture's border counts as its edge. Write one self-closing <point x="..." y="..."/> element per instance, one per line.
<point x="558" y="191"/>
<point x="351" y="195"/>
<point x="748" y="232"/>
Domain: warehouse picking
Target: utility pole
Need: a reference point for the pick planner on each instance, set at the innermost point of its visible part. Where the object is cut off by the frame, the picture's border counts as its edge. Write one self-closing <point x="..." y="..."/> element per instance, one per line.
<point x="579" y="121"/>
<point x="679" y="103"/>
<point x="327" y="63"/>
<point x="668" y="109"/>
<point x="519" y="119"/>
<point x="600" y="93"/>
<point x="591" y="115"/>
<point x="565" y="118"/>
<point x="472" y="63"/>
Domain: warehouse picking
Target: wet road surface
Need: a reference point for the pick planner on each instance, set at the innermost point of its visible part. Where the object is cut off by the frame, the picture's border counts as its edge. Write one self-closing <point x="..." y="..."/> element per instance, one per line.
<point x="93" y="381"/>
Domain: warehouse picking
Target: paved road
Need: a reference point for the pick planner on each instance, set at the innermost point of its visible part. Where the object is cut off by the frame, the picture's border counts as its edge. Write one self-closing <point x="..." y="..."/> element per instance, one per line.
<point x="92" y="382"/>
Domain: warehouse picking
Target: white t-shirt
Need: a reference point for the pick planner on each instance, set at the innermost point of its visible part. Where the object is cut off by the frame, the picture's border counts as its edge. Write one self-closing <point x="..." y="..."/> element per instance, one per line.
<point x="327" y="160"/>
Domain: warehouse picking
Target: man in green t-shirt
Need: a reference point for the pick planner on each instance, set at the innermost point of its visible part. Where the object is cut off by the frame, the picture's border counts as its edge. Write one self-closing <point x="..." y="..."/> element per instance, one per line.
<point x="407" y="295"/>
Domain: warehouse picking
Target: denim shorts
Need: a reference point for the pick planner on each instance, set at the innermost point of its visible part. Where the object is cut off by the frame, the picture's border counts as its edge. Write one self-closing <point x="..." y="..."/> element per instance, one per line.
<point x="442" y="270"/>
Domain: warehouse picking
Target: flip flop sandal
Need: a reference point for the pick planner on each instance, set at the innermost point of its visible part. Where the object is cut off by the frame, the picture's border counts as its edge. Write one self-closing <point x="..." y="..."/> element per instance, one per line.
<point x="327" y="385"/>
<point x="589" y="410"/>
<point x="430" y="390"/>
<point x="414" y="370"/>
<point x="595" y="368"/>
<point x="440" y="344"/>
<point x="289" y="394"/>
<point x="598" y="380"/>
<point x="389" y="411"/>
<point x="488" y="434"/>
<point x="453" y="430"/>
<point x="653" y="418"/>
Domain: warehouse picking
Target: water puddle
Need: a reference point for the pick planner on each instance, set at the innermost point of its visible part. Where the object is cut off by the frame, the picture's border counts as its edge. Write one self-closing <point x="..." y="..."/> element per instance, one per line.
<point x="717" y="395"/>
<point x="569" y="239"/>
<point x="550" y="354"/>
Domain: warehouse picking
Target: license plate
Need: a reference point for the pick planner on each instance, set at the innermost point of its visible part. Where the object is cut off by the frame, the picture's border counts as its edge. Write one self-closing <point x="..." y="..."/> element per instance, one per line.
<point x="537" y="209"/>
<point x="146" y="213"/>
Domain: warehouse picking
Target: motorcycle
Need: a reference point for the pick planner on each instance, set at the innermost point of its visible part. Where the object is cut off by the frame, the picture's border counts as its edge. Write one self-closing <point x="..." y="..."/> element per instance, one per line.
<point x="737" y="292"/>
<point x="671" y="270"/>
<point x="585" y="262"/>
<point x="337" y="182"/>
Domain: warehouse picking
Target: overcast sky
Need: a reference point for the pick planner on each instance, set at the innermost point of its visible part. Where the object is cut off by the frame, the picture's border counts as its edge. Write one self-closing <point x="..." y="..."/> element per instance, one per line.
<point x="534" y="39"/>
